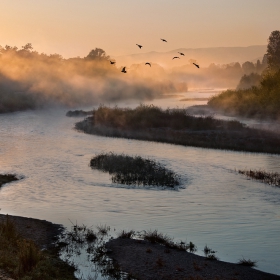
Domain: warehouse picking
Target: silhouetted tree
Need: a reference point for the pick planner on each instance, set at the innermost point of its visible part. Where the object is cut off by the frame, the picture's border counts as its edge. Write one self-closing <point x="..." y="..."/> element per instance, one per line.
<point x="248" y="81"/>
<point x="273" y="51"/>
<point x="97" y="54"/>
<point x="248" y="67"/>
<point x="258" y="66"/>
<point x="27" y="47"/>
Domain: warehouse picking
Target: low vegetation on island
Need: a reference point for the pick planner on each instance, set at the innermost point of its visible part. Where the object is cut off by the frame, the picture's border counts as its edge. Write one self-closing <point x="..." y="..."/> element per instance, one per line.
<point x="271" y="178"/>
<point x="135" y="170"/>
<point x="176" y="126"/>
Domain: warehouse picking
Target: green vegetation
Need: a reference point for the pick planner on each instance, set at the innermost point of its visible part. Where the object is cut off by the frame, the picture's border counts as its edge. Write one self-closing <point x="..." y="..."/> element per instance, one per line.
<point x="175" y="126"/>
<point x="248" y="81"/>
<point x="271" y="178"/>
<point x="248" y="262"/>
<point x="262" y="99"/>
<point x="6" y="178"/>
<point x="22" y="259"/>
<point x="134" y="170"/>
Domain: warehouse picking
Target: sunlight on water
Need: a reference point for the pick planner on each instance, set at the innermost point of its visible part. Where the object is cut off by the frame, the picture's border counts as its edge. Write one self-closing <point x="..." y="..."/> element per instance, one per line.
<point x="233" y="215"/>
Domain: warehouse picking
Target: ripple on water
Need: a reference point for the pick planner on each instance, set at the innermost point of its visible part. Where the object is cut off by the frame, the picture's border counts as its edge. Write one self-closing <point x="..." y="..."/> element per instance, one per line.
<point x="233" y="215"/>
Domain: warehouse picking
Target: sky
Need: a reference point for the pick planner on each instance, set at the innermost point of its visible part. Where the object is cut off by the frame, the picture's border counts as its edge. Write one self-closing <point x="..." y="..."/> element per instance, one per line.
<point x="73" y="27"/>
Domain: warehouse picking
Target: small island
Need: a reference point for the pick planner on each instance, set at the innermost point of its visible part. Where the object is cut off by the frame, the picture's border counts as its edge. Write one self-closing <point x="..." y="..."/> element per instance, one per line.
<point x="136" y="170"/>
<point x="176" y="126"/>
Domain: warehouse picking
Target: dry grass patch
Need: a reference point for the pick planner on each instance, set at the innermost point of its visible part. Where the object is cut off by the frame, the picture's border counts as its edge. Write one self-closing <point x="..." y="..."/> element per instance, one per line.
<point x="22" y="258"/>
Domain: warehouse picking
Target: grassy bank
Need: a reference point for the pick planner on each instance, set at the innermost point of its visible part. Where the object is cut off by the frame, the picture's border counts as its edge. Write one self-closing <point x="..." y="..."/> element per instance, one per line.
<point x="22" y="259"/>
<point x="262" y="101"/>
<point x="134" y="170"/>
<point x="177" y="127"/>
<point x="271" y="178"/>
<point x="7" y="178"/>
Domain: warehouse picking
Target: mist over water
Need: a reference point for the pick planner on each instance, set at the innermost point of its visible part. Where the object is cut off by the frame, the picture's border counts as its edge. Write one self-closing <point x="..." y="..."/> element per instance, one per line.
<point x="233" y="215"/>
<point x="31" y="80"/>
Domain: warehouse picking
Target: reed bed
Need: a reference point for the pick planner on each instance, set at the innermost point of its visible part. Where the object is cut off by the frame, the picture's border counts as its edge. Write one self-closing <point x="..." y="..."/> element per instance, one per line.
<point x="271" y="178"/>
<point x="150" y="116"/>
<point x="175" y="126"/>
<point x="135" y="170"/>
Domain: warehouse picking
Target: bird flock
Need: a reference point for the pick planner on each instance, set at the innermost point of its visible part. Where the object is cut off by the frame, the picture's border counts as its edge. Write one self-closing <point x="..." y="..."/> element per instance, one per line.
<point x="148" y="63"/>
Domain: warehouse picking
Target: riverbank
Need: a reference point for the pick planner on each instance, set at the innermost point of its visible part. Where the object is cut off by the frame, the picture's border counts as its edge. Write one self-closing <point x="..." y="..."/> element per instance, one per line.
<point x="147" y="261"/>
<point x="28" y="251"/>
<point x="151" y="123"/>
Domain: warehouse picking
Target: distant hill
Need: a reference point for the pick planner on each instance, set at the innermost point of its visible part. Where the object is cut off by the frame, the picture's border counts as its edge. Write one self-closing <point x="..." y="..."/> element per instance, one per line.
<point x="204" y="56"/>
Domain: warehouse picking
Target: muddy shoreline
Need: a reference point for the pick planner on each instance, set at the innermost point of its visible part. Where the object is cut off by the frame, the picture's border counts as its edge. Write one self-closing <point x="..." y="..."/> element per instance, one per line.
<point x="42" y="232"/>
<point x="147" y="261"/>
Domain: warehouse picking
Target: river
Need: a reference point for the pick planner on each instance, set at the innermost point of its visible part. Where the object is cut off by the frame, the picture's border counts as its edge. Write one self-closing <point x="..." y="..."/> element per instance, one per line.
<point x="216" y="206"/>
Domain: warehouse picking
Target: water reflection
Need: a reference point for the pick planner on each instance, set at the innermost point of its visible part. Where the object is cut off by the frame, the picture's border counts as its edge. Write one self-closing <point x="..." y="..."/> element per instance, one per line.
<point x="233" y="215"/>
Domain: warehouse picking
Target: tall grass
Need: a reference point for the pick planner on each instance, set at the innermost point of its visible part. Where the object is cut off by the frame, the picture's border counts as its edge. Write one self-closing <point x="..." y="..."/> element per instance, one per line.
<point x="175" y="126"/>
<point x="23" y="259"/>
<point x="134" y="170"/>
<point x="150" y="116"/>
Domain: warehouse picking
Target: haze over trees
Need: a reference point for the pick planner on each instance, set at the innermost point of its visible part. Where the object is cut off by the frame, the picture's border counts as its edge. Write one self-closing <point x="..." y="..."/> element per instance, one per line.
<point x="257" y="101"/>
<point x="273" y="51"/>
<point x="30" y="80"/>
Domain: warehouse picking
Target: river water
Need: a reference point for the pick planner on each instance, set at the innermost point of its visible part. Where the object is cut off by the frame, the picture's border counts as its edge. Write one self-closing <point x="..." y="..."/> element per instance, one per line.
<point x="215" y="206"/>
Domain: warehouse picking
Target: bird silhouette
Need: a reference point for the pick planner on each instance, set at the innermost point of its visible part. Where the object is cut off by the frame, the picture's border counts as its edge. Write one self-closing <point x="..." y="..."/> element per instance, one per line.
<point x="163" y="40"/>
<point x="139" y="46"/>
<point x="148" y="63"/>
<point x="196" y="65"/>
<point x="176" y="57"/>
<point x="181" y="53"/>
<point x="123" y="70"/>
<point x="112" y="62"/>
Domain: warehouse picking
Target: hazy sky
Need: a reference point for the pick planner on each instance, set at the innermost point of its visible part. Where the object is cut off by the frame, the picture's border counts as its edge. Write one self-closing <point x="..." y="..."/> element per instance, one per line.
<point x="74" y="27"/>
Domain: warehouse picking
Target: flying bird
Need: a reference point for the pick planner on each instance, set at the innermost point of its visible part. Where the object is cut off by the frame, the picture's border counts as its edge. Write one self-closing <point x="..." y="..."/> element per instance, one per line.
<point x="139" y="46"/>
<point x="148" y="63"/>
<point x="196" y="65"/>
<point x="112" y="62"/>
<point x="181" y="53"/>
<point x="176" y="57"/>
<point x="163" y="40"/>
<point x="123" y="70"/>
